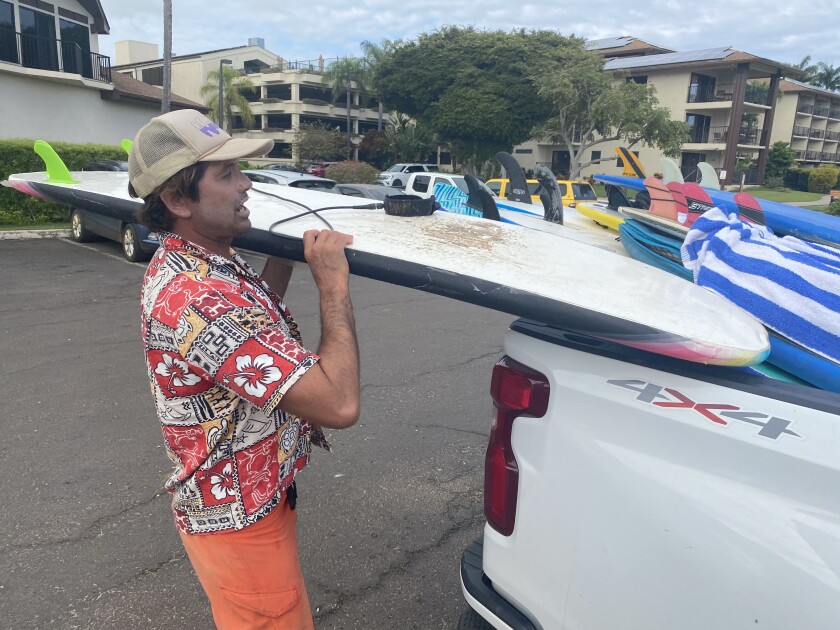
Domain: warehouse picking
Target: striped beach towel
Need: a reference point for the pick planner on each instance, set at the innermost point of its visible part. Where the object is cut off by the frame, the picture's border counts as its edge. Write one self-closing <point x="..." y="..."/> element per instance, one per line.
<point x="791" y="286"/>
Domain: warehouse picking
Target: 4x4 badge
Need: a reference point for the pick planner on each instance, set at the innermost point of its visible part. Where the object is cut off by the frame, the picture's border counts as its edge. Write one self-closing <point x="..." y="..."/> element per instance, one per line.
<point x="771" y="426"/>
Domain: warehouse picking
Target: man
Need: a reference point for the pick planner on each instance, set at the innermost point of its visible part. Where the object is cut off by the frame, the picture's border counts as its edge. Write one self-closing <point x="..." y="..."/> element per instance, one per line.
<point x="240" y="400"/>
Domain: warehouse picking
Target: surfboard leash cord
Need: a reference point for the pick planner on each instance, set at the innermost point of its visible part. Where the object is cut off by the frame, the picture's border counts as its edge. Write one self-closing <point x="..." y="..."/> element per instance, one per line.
<point x="312" y="211"/>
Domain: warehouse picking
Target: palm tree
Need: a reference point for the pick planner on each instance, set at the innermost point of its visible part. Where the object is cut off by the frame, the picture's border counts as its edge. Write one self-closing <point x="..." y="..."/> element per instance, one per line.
<point x="165" y="104"/>
<point x="340" y="75"/>
<point x="232" y="85"/>
<point x="808" y="68"/>
<point x="828" y="76"/>
<point x="373" y="54"/>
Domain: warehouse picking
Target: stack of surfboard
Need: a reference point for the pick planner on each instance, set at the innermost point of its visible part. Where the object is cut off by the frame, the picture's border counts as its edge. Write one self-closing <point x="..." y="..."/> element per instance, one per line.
<point x="655" y="235"/>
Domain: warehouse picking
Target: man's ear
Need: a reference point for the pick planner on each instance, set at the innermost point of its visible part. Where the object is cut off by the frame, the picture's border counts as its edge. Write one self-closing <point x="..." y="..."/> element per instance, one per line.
<point x="177" y="204"/>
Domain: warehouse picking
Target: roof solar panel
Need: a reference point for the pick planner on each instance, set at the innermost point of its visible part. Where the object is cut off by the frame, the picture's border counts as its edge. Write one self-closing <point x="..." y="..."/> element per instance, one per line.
<point x="708" y="54"/>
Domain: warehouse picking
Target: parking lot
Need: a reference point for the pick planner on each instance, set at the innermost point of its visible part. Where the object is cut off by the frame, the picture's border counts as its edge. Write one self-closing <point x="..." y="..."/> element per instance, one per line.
<point x="89" y="540"/>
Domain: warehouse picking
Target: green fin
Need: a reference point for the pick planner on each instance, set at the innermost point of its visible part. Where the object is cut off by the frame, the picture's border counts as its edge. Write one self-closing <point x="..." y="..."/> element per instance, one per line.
<point x="125" y="143"/>
<point x="57" y="172"/>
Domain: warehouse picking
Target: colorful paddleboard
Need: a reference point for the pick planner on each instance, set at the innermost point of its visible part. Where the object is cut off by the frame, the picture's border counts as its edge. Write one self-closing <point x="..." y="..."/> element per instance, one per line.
<point x="601" y="214"/>
<point x="524" y="272"/>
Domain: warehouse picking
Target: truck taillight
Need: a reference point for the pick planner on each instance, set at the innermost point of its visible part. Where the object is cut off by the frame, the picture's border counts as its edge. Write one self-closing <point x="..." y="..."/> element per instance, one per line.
<point x="517" y="391"/>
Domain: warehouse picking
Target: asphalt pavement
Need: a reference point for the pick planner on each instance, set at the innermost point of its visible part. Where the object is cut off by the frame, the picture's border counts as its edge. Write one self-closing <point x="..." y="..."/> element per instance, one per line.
<point x="88" y="539"/>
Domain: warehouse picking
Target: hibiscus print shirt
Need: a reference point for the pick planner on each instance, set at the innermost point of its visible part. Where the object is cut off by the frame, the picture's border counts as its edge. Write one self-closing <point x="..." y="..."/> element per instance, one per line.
<point x="221" y="351"/>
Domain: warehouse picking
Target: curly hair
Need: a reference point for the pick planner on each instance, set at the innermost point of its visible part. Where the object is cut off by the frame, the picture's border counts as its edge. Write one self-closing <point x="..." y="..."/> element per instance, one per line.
<point x="154" y="214"/>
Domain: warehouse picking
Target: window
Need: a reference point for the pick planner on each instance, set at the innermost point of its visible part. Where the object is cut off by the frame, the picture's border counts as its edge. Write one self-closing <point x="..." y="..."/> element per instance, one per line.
<point x="496" y="187"/>
<point x="415" y="168"/>
<point x="421" y="183"/>
<point x="37" y="35"/>
<point x="8" y="41"/>
<point x="75" y="48"/>
<point x="641" y="79"/>
<point x="524" y="151"/>
<point x="596" y="156"/>
<point x="153" y="76"/>
<point x="698" y="127"/>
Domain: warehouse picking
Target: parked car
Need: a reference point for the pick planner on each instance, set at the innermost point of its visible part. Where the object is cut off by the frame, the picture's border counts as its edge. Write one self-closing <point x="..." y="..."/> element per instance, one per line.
<point x="286" y="178"/>
<point x="138" y="242"/>
<point x="573" y="191"/>
<point x="397" y="174"/>
<point x="282" y="166"/>
<point x="423" y="184"/>
<point x="319" y="169"/>
<point x="369" y="191"/>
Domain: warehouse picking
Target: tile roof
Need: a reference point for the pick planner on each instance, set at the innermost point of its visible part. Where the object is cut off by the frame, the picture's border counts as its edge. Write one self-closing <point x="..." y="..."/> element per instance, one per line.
<point x="129" y="88"/>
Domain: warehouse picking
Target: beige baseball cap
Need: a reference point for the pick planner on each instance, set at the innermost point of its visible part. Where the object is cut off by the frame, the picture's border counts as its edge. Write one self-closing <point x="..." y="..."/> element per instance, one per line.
<point x="176" y="140"/>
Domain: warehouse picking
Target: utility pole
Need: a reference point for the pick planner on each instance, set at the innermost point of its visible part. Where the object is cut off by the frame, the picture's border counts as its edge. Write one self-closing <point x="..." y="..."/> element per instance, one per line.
<point x="166" y="102"/>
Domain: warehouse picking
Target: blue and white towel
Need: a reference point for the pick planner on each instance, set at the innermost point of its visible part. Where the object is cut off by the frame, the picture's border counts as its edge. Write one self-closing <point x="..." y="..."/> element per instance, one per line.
<point x="791" y="286"/>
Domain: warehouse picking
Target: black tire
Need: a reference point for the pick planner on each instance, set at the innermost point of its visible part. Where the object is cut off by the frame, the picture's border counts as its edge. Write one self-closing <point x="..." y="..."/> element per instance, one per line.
<point x="78" y="231"/>
<point x="471" y="620"/>
<point x="131" y="244"/>
<point x="397" y="183"/>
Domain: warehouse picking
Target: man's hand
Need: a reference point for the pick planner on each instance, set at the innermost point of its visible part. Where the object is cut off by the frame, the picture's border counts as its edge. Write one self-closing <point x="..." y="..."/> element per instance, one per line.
<point x="324" y="251"/>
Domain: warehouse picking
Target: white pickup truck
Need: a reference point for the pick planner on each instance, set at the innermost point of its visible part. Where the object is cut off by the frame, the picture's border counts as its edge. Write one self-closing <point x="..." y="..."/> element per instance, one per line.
<point x="629" y="491"/>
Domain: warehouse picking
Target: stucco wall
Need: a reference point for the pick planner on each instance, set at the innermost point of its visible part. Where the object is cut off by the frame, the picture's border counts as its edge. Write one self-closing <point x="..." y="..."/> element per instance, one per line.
<point x="44" y="110"/>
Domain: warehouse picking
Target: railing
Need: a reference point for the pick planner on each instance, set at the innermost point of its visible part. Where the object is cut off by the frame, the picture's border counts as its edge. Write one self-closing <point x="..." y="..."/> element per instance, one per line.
<point x="757" y="94"/>
<point x="708" y="94"/>
<point x="817" y="133"/>
<point x="801" y="131"/>
<point x="832" y="135"/>
<point x="750" y="176"/>
<point x="805" y="109"/>
<point x="827" y="157"/>
<point x="315" y="66"/>
<point x="812" y="155"/>
<point x="44" y="53"/>
<point x="821" y="111"/>
<point x="749" y="136"/>
<point x="834" y="113"/>
<point x="799" y="155"/>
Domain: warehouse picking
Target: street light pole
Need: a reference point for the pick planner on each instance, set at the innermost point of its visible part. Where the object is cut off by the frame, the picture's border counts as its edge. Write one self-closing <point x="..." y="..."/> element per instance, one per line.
<point x="221" y="92"/>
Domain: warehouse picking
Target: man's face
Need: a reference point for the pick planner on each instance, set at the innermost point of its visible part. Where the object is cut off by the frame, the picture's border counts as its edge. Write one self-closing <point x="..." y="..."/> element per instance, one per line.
<point x="219" y="215"/>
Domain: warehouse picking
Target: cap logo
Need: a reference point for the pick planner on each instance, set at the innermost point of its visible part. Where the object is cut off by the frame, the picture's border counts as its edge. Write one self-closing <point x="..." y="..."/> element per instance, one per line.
<point x="208" y="128"/>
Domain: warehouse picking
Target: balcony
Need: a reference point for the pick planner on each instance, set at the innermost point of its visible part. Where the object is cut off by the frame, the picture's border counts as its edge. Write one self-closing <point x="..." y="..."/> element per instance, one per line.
<point x="822" y="112"/>
<point x="817" y="134"/>
<point x="43" y="53"/>
<point x="827" y="157"/>
<point x="832" y="135"/>
<point x="799" y="155"/>
<point x="834" y="113"/>
<point x="802" y="132"/>
<point x="812" y="156"/>
<point x="709" y="94"/>
<point x="805" y="109"/>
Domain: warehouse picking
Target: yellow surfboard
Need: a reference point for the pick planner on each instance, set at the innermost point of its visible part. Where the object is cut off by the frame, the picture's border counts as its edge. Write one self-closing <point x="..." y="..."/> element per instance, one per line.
<point x="601" y="214"/>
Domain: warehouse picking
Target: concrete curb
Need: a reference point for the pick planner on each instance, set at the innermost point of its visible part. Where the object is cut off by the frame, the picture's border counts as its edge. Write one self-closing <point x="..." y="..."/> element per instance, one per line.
<point x="16" y="235"/>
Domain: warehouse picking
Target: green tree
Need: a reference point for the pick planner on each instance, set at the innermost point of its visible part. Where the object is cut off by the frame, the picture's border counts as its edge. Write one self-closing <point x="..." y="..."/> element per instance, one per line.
<point x="373" y="54"/>
<point x="341" y="75"/>
<point x="822" y="178"/>
<point x="406" y="140"/>
<point x="318" y="142"/>
<point x="472" y="89"/>
<point x="827" y="76"/>
<point x="591" y="108"/>
<point x="810" y="69"/>
<point x="372" y="148"/>
<point x="779" y="159"/>
<point x="232" y="98"/>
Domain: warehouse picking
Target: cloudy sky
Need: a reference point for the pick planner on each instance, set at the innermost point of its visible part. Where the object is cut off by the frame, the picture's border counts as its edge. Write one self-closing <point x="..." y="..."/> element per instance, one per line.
<point x="781" y="30"/>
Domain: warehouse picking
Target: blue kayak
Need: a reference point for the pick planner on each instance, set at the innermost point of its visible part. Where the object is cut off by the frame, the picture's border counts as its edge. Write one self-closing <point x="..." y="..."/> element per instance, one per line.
<point x="782" y="218"/>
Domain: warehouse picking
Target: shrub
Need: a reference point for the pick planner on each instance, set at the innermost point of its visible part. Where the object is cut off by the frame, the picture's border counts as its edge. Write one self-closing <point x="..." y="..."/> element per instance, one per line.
<point x="774" y="183"/>
<point x="797" y="178"/>
<point x="17" y="156"/>
<point x="834" y="208"/>
<point x="823" y="178"/>
<point x="352" y="172"/>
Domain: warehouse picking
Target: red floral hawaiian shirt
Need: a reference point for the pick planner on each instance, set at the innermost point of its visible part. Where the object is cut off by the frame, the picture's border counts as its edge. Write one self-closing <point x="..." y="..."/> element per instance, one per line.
<point x="221" y="351"/>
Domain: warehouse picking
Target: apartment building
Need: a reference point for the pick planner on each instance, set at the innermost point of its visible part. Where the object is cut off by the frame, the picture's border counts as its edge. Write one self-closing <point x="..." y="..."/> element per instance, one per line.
<point x="285" y="94"/>
<point x="808" y="118"/>
<point x="55" y="84"/>
<point x="728" y="98"/>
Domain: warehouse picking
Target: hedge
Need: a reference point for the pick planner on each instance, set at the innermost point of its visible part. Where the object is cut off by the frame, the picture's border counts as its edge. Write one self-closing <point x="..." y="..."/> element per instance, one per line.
<point x="797" y="178"/>
<point x="18" y="156"/>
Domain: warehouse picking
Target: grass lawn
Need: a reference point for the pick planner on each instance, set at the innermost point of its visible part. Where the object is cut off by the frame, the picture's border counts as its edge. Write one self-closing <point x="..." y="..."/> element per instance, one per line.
<point x="36" y="226"/>
<point x="784" y="196"/>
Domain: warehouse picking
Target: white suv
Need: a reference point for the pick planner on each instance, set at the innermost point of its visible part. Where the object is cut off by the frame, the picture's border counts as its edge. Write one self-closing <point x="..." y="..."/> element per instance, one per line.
<point x="397" y="174"/>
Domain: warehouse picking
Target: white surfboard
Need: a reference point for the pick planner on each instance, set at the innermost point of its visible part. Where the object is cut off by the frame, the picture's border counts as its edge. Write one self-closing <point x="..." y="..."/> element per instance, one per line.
<point x="525" y="272"/>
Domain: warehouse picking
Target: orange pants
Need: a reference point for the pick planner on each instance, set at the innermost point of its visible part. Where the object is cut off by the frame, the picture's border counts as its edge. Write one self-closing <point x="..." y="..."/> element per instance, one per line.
<point x="252" y="576"/>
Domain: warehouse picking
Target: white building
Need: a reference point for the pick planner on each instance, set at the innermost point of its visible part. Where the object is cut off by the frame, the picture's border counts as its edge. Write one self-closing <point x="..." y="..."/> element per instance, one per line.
<point x="55" y="84"/>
